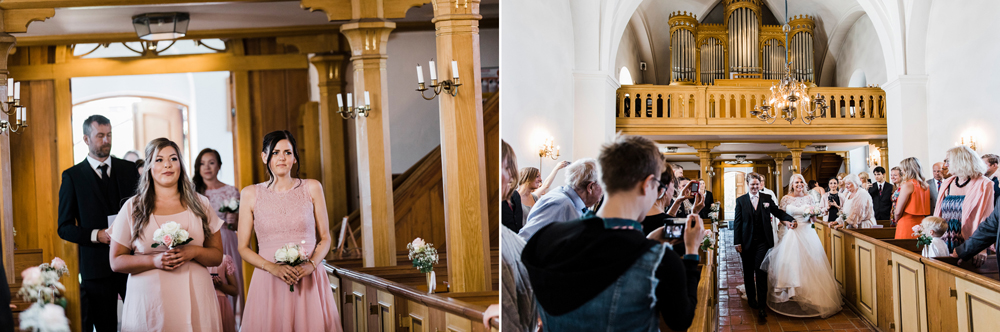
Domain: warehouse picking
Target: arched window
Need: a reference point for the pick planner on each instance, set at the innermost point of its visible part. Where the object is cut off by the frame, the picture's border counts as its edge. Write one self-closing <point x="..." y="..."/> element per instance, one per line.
<point x="624" y="77"/>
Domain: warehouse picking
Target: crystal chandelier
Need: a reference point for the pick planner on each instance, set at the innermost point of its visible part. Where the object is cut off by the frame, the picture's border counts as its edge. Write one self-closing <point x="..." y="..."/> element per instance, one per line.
<point x="789" y="95"/>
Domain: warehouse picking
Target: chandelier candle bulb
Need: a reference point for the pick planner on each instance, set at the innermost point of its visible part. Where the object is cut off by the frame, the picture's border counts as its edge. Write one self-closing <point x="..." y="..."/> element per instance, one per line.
<point x="420" y="74"/>
<point x="454" y="69"/>
<point x="434" y="75"/>
<point x="17" y="90"/>
<point x="10" y="88"/>
<point x="368" y="101"/>
<point x="349" y="101"/>
<point x="340" y="100"/>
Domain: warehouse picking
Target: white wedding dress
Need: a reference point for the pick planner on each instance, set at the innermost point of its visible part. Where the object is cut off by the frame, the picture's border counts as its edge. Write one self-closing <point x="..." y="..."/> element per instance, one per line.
<point x="798" y="271"/>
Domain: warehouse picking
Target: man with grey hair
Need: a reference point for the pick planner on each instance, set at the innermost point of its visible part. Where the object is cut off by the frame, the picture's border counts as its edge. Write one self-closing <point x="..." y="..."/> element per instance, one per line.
<point x="992" y="163"/>
<point x="568" y="202"/>
<point x="934" y="183"/>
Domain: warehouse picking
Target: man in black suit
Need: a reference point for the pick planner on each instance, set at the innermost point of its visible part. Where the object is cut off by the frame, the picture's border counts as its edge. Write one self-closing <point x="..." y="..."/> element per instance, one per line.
<point x="881" y="193"/>
<point x="753" y="236"/>
<point x="91" y="191"/>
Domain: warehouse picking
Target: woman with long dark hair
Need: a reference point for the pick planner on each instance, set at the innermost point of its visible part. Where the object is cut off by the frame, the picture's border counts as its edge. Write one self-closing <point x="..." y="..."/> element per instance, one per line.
<point x="286" y="210"/>
<point x="206" y="182"/>
<point x="168" y="290"/>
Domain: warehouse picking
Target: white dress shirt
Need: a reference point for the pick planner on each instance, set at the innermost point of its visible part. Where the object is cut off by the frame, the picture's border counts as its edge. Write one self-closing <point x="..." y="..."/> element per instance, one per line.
<point x="94" y="164"/>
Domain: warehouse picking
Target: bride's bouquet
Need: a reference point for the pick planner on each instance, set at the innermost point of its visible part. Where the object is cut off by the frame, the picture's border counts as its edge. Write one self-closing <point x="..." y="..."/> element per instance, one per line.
<point x="291" y="254"/>
<point x="810" y="212"/>
<point x="231" y="205"/>
<point x="923" y="238"/>
<point x="171" y="235"/>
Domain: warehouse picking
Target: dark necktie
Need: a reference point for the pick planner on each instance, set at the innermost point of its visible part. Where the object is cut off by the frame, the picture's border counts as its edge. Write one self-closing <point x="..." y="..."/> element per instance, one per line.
<point x="938" y="184"/>
<point x="104" y="172"/>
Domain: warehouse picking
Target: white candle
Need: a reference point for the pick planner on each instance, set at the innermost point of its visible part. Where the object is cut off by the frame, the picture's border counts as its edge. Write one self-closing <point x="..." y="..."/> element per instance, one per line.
<point x="420" y="74"/>
<point x="368" y="101"/>
<point x="10" y="87"/>
<point x="349" y="102"/>
<point x="20" y="111"/>
<point x="340" y="101"/>
<point x="434" y="75"/>
<point x="454" y="69"/>
<point x="17" y="90"/>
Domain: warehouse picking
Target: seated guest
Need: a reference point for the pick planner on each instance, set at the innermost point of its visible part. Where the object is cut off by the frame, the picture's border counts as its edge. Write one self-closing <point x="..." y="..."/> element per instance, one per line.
<point x="913" y="203"/>
<point x="965" y="198"/>
<point x="992" y="164"/>
<point x="601" y="273"/>
<point x="569" y="202"/>
<point x="530" y="186"/>
<point x="934" y="227"/>
<point x="857" y="205"/>
<point x="510" y="209"/>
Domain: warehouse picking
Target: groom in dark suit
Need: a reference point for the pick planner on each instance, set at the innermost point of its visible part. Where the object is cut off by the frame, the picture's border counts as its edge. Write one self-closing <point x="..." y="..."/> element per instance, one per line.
<point x="90" y="192"/>
<point x="753" y="236"/>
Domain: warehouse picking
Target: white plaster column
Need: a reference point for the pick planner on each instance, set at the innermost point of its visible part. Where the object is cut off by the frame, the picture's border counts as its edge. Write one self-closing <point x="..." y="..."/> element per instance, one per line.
<point x="906" y="120"/>
<point x="594" y="119"/>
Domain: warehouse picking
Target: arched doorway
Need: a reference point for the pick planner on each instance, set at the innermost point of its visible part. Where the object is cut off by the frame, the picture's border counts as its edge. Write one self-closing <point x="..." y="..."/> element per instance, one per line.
<point x="135" y="120"/>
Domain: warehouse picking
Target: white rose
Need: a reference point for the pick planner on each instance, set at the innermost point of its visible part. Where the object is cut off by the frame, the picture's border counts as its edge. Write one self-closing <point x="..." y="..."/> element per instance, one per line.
<point x="158" y="235"/>
<point x="418" y="242"/>
<point x="281" y="255"/>
<point x="182" y="235"/>
<point x="292" y="253"/>
<point x="171" y="228"/>
<point x="233" y="204"/>
<point x="54" y="317"/>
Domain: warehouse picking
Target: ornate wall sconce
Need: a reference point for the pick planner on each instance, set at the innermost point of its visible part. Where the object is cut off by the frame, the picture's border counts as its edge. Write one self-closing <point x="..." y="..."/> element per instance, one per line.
<point x="351" y="112"/>
<point x="969" y="141"/>
<point x="12" y="107"/>
<point x="793" y="169"/>
<point x="547" y="149"/>
<point x="874" y="156"/>
<point x="710" y="171"/>
<point x="450" y="86"/>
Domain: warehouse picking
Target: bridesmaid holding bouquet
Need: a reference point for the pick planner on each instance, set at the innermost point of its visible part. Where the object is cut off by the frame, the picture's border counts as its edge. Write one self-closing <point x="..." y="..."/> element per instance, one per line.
<point x="206" y="182"/>
<point x="286" y="211"/>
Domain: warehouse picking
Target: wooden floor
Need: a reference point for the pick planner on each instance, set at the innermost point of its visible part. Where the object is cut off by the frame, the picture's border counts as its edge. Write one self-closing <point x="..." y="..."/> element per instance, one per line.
<point x="736" y="315"/>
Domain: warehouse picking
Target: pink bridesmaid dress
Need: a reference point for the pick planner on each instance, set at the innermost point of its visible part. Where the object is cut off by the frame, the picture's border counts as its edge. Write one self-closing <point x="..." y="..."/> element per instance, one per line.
<point x="224" y="270"/>
<point x="230" y="241"/>
<point x="281" y="218"/>
<point x="157" y="300"/>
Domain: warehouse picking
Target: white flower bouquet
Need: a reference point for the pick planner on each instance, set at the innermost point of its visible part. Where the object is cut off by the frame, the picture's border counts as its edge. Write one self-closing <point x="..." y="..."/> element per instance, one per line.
<point x="171" y="235"/>
<point x="923" y="238"/>
<point x="44" y="318"/>
<point x="231" y="205"/>
<point x="812" y="212"/>
<point x="291" y="254"/>
<point x="423" y="254"/>
<point x="40" y="284"/>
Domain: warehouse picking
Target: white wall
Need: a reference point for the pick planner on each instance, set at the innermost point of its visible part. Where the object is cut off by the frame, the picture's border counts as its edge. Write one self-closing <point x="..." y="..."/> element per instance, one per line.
<point x="861" y="51"/>
<point x="628" y="56"/>
<point x="963" y="75"/>
<point x="204" y="93"/>
<point x="537" y="89"/>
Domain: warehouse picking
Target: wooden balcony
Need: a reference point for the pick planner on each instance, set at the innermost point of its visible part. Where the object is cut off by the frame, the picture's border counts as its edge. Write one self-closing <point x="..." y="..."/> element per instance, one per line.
<point x="725" y="110"/>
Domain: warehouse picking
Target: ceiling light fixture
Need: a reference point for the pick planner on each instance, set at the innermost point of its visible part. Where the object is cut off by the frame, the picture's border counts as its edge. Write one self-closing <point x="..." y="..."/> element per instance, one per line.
<point x="161" y="26"/>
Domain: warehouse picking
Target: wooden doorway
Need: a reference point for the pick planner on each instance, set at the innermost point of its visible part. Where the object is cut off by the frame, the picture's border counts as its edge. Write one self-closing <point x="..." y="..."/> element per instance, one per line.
<point x="135" y="121"/>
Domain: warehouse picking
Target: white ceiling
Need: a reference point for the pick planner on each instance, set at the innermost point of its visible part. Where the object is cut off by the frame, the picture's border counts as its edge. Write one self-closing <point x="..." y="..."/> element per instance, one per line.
<point x="207" y="16"/>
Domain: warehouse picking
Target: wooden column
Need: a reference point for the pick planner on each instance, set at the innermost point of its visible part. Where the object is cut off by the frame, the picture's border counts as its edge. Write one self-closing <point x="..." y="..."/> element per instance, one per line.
<point x="462" y="155"/>
<point x="797" y="160"/>
<point x="847" y="161"/>
<point x="779" y="162"/>
<point x="883" y="151"/>
<point x="6" y="186"/>
<point x="705" y="162"/>
<point x="368" y="54"/>
<point x="331" y="131"/>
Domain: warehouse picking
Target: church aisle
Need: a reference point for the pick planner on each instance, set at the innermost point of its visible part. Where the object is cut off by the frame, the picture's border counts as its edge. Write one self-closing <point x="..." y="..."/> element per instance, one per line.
<point x="736" y="315"/>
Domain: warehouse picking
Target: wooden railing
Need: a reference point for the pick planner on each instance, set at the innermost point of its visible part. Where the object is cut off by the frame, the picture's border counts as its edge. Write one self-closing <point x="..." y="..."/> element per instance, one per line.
<point x="373" y="304"/>
<point x="894" y="288"/>
<point x="667" y="107"/>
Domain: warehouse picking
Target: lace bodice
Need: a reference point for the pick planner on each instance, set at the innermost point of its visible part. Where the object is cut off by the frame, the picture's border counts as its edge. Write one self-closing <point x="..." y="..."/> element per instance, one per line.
<point x="796" y="206"/>
<point x="280" y="218"/>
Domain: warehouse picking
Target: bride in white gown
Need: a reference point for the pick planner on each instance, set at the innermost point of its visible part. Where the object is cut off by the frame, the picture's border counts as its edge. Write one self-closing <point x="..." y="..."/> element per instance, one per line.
<point x="797" y="268"/>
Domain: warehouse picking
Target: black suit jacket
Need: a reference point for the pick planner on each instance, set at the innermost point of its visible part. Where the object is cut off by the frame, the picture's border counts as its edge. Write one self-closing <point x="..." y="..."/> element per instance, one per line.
<point x="882" y="203"/>
<point x="744" y="221"/>
<point x="512" y="217"/>
<point x="83" y="207"/>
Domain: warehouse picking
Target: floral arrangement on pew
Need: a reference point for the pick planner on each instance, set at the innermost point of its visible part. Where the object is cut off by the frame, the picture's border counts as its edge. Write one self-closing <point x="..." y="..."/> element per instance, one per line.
<point x="708" y="242"/>
<point x="923" y="238"/>
<point x="291" y="254"/>
<point x="812" y="212"/>
<point x="715" y="212"/>
<point x="40" y="284"/>
<point x="424" y="256"/>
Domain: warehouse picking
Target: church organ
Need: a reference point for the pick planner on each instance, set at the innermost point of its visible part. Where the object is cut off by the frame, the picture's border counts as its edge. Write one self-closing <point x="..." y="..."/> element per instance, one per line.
<point x="740" y="47"/>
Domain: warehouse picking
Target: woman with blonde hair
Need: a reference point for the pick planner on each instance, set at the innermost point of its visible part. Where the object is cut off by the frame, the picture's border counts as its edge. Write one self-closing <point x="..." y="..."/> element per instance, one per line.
<point x="858" y="205"/>
<point x="913" y="203"/>
<point x="863" y="177"/>
<point x="966" y="198"/>
<point x="530" y="186"/>
<point x="168" y="289"/>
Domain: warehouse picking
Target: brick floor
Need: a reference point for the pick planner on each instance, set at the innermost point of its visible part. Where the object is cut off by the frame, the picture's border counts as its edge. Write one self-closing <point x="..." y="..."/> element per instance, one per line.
<point x="735" y="313"/>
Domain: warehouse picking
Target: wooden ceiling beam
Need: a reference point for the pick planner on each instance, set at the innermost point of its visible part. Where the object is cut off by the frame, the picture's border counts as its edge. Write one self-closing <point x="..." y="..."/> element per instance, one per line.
<point x="32" y="4"/>
<point x="342" y="10"/>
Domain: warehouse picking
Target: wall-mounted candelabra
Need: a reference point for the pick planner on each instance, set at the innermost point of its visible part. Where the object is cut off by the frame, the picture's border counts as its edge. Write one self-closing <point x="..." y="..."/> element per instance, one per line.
<point x="12" y="107"/>
<point x="710" y="171"/>
<point x="450" y="86"/>
<point x="351" y="112"/>
<point x="547" y="149"/>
